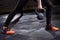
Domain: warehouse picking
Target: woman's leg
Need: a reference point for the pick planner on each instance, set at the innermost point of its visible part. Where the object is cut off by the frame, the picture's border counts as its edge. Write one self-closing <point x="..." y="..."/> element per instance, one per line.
<point x="39" y="4"/>
<point x="49" y="11"/>
<point x="17" y="19"/>
<point x="39" y="11"/>
<point x="19" y="5"/>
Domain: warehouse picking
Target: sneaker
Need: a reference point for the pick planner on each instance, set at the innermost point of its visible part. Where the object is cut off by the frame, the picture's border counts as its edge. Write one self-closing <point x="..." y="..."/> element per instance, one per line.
<point x="40" y="14"/>
<point x="8" y="31"/>
<point x="52" y="28"/>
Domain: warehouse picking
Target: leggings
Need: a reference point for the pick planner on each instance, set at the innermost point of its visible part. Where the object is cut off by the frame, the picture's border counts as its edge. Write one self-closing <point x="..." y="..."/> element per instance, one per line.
<point x="22" y="3"/>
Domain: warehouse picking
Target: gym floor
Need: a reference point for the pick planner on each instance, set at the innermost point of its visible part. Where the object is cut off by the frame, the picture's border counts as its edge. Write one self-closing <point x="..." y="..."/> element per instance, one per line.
<point x="30" y="28"/>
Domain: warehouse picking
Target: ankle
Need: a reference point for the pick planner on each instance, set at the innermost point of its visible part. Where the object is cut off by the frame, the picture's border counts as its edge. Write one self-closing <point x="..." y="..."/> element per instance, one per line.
<point x="41" y="10"/>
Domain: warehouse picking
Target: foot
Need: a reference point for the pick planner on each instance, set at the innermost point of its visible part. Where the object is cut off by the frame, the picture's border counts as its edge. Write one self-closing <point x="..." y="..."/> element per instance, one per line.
<point x="53" y="28"/>
<point x="8" y="31"/>
<point x="39" y="14"/>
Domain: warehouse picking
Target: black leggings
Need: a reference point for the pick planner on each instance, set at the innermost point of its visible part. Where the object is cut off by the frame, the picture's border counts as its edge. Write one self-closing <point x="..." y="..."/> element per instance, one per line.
<point x="22" y="3"/>
<point x="49" y="8"/>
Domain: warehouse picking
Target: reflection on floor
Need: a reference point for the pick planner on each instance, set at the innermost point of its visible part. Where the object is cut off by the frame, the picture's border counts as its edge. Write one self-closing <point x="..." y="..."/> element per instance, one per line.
<point x="30" y="28"/>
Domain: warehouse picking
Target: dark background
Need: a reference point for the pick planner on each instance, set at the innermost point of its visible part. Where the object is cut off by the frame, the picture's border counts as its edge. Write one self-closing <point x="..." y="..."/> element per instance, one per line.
<point x="8" y="5"/>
